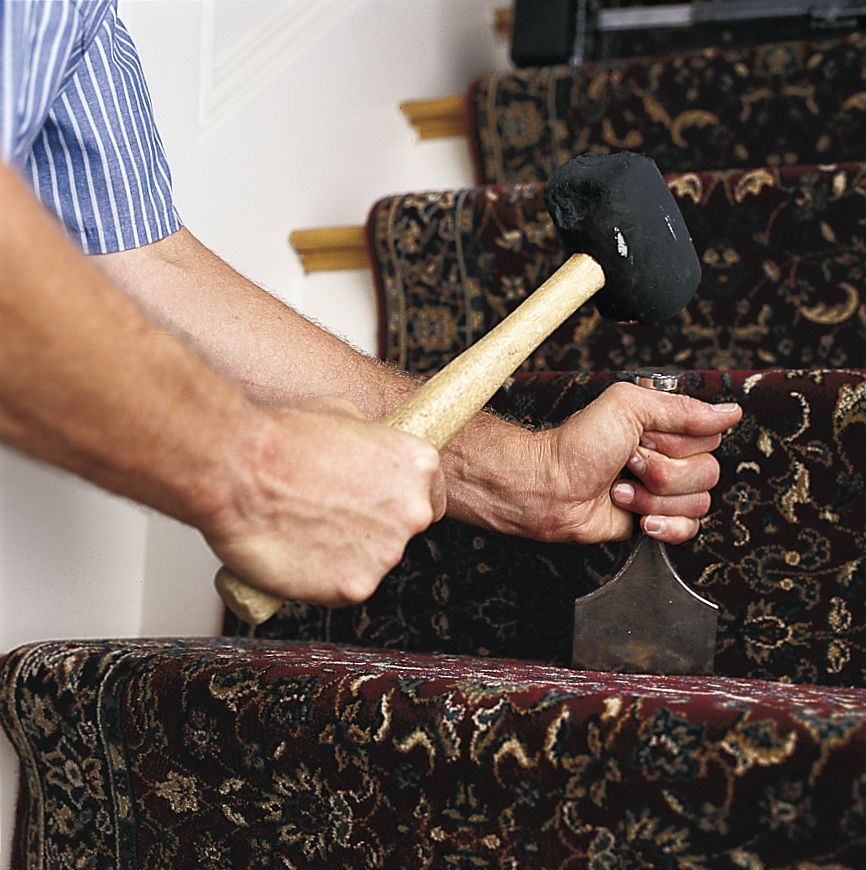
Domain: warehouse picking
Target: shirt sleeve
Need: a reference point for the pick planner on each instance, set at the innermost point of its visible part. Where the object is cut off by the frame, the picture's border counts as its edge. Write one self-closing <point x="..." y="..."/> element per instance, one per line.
<point x="96" y="159"/>
<point x="38" y="43"/>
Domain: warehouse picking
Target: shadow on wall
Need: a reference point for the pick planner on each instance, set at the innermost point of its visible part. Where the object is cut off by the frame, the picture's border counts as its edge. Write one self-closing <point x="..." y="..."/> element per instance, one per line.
<point x="71" y="556"/>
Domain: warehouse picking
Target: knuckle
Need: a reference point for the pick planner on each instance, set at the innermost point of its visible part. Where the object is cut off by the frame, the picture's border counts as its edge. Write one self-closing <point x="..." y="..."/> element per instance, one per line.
<point x="419" y="515"/>
<point x="623" y="391"/>
<point x="714" y="472"/>
<point x="392" y="555"/>
<point x="416" y="456"/>
<point x="426" y="458"/>
<point x="356" y="588"/>
<point x="658" y="477"/>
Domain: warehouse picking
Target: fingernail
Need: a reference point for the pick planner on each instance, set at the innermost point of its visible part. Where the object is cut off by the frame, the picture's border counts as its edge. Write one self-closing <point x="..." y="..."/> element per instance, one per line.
<point x="653" y="525"/>
<point x="623" y="493"/>
<point x="636" y="462"/>
<point x="725" y="407"/>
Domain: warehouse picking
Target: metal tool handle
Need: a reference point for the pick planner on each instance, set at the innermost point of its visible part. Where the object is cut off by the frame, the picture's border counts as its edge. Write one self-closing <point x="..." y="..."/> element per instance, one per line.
<point x="665" y="379"/>
<point x="439" y="409"/>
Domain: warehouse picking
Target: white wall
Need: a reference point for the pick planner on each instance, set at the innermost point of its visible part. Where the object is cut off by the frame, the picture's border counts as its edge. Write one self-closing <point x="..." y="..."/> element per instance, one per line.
<point x="276" y="114"/>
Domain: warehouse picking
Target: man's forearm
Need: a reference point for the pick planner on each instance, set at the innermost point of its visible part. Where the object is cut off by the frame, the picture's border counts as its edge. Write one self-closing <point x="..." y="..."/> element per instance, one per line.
<point x="279" y="356"/>
<point x="154" y="429"/>
<point x="267" y="347"/>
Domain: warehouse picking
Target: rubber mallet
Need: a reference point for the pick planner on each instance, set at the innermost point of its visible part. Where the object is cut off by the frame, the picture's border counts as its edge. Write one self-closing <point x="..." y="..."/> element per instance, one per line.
<point x="630" y="248"/>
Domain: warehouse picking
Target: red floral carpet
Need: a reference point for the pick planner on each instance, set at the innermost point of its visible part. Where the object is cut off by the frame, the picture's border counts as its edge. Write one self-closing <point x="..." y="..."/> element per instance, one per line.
<point x="776" y="104"/>
<point x="227" y="754"/>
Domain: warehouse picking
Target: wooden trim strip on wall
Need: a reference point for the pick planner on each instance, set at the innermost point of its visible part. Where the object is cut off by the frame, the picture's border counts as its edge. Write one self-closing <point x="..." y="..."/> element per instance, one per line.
<point x="503" y="21"/>
<point x="445" y="117"/>
<point x="438" y="118"/>
<point x="330" y="249"/>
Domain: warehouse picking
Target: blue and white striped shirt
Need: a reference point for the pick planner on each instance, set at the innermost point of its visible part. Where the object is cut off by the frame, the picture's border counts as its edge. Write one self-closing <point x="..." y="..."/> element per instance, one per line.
<point x="76" y="121"/>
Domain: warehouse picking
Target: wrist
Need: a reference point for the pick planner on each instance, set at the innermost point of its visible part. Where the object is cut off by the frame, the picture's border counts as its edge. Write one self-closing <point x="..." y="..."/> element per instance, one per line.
<point x="223" y="495"/>
<point x="494" y="471"/>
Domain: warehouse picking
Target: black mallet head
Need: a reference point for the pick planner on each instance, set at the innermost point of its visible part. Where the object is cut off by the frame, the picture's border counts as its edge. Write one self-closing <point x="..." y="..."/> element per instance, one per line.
<point x="618" y="209"/>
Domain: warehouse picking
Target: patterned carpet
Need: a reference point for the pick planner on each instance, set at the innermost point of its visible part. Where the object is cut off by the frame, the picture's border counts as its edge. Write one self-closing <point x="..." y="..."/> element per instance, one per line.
<point x="218" y="754"/>
<point x="782" y="250"/>
<point x="775" y="104"/>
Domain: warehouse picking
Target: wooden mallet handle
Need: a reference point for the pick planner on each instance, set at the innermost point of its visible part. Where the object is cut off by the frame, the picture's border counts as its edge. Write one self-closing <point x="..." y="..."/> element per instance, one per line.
<point x="440" y="408"/>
